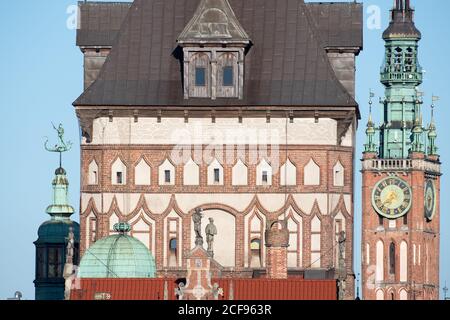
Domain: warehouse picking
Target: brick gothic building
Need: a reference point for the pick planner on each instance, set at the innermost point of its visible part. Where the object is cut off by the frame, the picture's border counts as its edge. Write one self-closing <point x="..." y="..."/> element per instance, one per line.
<point x="244" y="109"/>
<point x="401" y="178"/>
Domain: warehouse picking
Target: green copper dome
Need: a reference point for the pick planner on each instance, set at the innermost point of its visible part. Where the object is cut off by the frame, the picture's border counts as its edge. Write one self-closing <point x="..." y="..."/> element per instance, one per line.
<point x="117" y="256"/>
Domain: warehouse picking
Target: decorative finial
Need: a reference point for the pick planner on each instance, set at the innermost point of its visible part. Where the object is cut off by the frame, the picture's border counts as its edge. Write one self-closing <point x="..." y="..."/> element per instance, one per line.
<point x="433" y="100"/>
<point x="60" y="147"/>
<point x="371" y="95"/>
<point x="445" y="291"/>
<point x="122" y="227"/>
<point x="417" y="131"/>
<point x="370" y="146"/>
<point x="432" y="135"/>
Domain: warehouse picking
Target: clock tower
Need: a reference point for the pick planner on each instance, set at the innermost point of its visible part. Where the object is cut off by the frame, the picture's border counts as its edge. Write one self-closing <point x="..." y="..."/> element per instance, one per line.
<point x="401" y="177"/>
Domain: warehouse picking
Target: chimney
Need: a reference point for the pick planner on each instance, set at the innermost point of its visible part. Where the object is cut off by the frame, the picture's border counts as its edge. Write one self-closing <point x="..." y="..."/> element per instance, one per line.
<point x="277" y="242"/>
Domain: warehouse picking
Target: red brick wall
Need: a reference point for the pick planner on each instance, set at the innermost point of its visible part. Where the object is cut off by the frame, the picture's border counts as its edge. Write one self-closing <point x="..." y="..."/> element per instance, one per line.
<point x="417" y="285"/>
<point x="325" y="156"/>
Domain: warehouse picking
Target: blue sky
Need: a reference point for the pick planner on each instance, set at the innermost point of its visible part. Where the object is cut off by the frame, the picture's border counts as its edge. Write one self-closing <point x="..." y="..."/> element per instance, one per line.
<point x="41" y="75"/>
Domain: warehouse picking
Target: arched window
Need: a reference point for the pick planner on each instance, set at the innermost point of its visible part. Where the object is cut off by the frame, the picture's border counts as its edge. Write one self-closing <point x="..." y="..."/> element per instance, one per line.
<point x="264" y="174"/>
<point x="255" y="232"/>
<point x="392" y="258"/>
<point x="240" y="174"/>
<point x="403" y="261"/>
<point x="403" y="294"/>
<point x="200" y="75"/>
<point x="167" y="173"/>
<point x="380" y="295"/>
<point x="255" y="247"/>
<point x="215" y="173"/>
<point x="191" y="173"/>
<point x="142" y="174"/>
<point x="227" y="75"/>
<point x="295" y="241"/>
<point x="338" y="175"/>
<point x="288" y="174"/>
<point x="119" y="173"/>
<point x="398" y="59"/>
<point x="315" y="243"/>
<point x="55" y="262"/>
<point x="311" y="174"/>
<point x="379" y="275"/>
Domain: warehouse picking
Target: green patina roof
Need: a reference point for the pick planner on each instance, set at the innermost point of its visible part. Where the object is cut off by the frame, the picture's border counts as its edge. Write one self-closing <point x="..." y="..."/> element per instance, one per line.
<point x="117" y="256"/>
<point x="56" y="231"/>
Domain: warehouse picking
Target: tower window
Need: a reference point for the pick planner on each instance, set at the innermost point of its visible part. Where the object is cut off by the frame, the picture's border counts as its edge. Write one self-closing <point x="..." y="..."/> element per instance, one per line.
<point x="216" y="175"/>
<point x="228" y="76"/>
<point x="200" y="77"/>
<point x="119" y="177"/>
<point x="380" y="221"/>
<point x="405" y="219"/>
<point x="40" y="271"/>
<point x="392" y="258"/>
<point x="55" y="262"/>
<point x="167" y="176"/>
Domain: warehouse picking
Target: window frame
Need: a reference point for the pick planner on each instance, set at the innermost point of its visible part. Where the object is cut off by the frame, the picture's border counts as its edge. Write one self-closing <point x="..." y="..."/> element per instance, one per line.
<point x="167" y="176"/>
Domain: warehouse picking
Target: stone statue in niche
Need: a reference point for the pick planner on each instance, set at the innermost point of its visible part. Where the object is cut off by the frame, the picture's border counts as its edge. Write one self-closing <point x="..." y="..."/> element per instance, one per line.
<point x="70" y="246"/>
<point x="211" y="232"/>
<point x="197" y="219"/>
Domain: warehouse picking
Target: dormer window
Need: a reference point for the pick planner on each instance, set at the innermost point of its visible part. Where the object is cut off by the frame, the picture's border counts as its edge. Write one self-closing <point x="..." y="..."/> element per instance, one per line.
<point x="214" y="45"/>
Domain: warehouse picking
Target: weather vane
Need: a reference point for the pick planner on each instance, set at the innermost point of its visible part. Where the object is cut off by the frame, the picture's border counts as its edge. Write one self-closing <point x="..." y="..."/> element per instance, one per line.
<point x="371" y="95"/>
<point x="62" y="146"/>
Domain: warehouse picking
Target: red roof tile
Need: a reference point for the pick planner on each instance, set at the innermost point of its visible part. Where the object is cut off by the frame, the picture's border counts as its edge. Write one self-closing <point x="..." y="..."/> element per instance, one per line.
<point x="243" y="289"/>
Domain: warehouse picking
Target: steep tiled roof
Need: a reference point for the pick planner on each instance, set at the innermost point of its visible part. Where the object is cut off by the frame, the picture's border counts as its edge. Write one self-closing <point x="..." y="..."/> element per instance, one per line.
<point x="286" y="66"/>
<point x="100" y="22"/>
<point x="339" y="24"/>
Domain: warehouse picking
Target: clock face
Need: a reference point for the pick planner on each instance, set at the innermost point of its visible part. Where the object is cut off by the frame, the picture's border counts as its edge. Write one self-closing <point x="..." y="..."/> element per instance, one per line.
<point x="430" y="200"/>
<point x="391" y="198"/>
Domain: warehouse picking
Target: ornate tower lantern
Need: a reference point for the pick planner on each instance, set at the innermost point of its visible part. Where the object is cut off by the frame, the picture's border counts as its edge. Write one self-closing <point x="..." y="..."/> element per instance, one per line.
<point x="401" y="182"/>
<point x="56" y="235"/>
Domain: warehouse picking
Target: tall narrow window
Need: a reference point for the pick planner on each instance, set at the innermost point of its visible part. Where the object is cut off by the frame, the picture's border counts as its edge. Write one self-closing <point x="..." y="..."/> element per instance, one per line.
<point x="216" y="175"/>
<point x="255" y="247"/>
<point x="119" y="177"/>
<point x="392" y="258"/>
<point x="398" y="59"/>
<point x="93" y="173"/>
<point x="167" y="176"/>
<point x="228" y="76"/>
<point x="200" y="77"/>
<point x="380" y="221"/>
<point x="405" y="219"/>
<point x="173" y="252"/>
<point x="54" y="262"/>
<point x="40" y="254"/>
